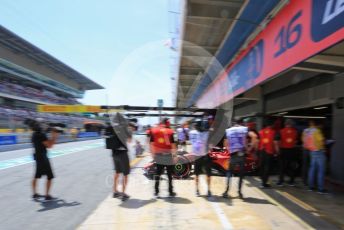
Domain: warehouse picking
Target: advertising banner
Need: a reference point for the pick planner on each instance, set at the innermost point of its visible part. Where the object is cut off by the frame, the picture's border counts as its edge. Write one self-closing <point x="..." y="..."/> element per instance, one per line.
<point x="87" y="134"/>
<point x="68" y="109"/>
<point x="8" y="140"/>
<point x="299" y="31"/>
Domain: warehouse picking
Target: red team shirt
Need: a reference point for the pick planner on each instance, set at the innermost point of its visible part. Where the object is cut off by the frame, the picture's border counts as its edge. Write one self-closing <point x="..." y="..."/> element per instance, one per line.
<point x="267" y="138"/>
<point x="288" y="137"/>
<point x="161" y="139"/>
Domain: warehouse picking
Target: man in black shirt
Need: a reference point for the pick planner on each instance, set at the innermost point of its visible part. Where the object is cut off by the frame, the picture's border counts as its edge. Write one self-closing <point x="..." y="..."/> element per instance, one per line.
<point x="118" y="136"/>
<point x="41" y="143"/>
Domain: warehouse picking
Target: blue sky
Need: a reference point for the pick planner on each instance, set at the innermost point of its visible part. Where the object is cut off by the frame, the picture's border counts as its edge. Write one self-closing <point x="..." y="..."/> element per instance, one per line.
<point x="119" y="44"/>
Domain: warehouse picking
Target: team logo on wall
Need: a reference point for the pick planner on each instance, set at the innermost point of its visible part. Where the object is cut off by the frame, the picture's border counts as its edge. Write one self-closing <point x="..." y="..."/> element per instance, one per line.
<point x="327" y="18"/>
<point x="244" y="74"/>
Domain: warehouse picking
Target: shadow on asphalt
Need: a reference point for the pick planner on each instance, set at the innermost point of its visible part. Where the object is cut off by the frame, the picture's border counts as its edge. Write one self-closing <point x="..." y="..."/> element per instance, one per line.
<point x="228" y="201"/>
<point x="136" y="203"/>
<point x="54" y="204"/>
<point x="164" y="178"/>
<point x="297" y="208"/>
<point x="218" y="199"/>
<point x="176" y="200"/>
<point x="253" y="200"/>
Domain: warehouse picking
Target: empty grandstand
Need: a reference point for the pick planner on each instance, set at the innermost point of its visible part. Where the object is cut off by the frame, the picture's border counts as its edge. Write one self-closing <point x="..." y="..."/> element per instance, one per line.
<point x="29" y="77"/>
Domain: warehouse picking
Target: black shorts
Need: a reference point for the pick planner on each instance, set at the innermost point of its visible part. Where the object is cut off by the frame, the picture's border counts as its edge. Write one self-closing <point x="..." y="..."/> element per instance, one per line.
<point x="43" y="168"/>
<point x="180" y="142"/>
<point x="121" y="161"/>
<point x="203" y="163"/>
<point x="237" y="160"/>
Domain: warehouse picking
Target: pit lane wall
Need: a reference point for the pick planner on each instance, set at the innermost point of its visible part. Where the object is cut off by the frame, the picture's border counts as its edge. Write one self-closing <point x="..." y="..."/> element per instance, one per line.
<point x="14" y="141"/>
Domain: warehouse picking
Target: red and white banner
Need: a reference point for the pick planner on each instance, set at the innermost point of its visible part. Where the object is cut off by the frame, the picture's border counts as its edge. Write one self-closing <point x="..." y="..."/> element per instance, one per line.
<point x="301" y="30"/>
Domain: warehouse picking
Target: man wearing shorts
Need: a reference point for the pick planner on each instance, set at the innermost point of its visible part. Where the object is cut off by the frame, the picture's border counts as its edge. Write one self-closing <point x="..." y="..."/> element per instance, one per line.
<point x="199" y="142"/>
<point x="41" y="143"/>
<point x="120" y="134"/>
<point x="236" y="143"/>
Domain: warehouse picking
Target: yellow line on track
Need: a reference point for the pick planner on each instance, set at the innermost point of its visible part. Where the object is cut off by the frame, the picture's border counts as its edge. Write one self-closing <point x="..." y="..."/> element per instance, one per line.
<point x="289" y="213"/>
<point x="135" y="161"/>
<point x="297" y="201"/>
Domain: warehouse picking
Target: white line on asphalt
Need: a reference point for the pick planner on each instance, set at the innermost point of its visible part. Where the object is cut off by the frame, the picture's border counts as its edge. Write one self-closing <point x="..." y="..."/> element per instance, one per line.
<point x="226" y="224"/>
<point x="10" y="163"/>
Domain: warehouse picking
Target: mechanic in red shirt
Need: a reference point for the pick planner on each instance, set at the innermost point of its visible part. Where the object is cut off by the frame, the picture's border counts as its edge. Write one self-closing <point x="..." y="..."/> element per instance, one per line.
<point x="268" y="146"/>
<point x="288" y="156"/>
<point x="162" y="145"/>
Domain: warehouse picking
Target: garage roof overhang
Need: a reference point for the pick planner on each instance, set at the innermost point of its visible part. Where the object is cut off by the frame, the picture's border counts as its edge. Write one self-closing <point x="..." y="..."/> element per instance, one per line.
<point x="214" y="31"/>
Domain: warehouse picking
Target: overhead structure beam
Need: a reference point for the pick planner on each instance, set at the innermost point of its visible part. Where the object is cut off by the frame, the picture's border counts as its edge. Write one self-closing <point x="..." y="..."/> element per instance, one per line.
<point x="236" y="3"/>
<point x="335" y="60"/>
<point x="147" y="108"/>
<point x="213" y="9"/>
<point x="315" y="70"/>
<point x="162" y="115"/>
<point x="321" y="68"/>
<point x="188" y="70"/>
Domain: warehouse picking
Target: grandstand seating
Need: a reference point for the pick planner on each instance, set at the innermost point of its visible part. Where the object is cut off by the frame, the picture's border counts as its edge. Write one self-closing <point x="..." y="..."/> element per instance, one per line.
<point x="33" y="93"/>
<point x="20" y="114"/>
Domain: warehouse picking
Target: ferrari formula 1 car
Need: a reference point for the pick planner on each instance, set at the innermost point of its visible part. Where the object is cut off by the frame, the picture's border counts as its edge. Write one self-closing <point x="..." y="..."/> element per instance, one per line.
<point x="181" y="168"/>
<point x="220" y="159"/>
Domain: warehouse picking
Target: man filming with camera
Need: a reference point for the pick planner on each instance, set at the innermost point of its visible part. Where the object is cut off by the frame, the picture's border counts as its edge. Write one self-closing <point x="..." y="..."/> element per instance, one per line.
<point x="41" y="143"/>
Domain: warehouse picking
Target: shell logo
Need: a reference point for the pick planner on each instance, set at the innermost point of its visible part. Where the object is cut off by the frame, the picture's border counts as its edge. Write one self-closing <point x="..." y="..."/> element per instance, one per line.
<point x="267" y="132"/>
<point x="161" y="140"/>
<point x="289" y="140"/>
<point x="266" y="140"/>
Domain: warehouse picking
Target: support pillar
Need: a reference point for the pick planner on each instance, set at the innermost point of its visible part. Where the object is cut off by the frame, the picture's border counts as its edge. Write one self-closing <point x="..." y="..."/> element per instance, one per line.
<point x="337" y="153"/>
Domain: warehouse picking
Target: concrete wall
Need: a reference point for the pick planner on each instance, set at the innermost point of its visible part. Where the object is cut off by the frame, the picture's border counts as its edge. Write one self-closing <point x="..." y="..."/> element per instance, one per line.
<point x="248" y="108"/>
<point x="311" y="92"/>
<point x="337" y="154"/>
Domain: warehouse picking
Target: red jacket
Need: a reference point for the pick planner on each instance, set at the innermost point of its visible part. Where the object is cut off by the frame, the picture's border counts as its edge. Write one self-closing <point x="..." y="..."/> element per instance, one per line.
<point x="267" y="138"/>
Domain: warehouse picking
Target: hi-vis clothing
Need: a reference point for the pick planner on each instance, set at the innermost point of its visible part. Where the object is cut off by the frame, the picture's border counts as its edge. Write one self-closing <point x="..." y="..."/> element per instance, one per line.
<point x="313" y="139"/>
<point x="236" y="137"/>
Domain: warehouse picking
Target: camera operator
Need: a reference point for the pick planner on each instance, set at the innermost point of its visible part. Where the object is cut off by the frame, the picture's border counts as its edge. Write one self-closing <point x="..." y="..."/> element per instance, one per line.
<point x="41" y="143"/>
<point x="117" y="137"/>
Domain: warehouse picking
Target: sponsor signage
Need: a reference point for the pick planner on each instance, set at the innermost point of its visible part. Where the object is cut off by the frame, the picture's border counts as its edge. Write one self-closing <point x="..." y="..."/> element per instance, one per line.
<point x="68" y="109"/>
<point x="300" y="30"/>
<point x="160" y="103"/>
<point x="8" y="140"/>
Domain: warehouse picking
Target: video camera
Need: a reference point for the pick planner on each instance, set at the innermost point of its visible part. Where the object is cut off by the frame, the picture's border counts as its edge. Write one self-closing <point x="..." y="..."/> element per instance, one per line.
<point x="38" y="126"/>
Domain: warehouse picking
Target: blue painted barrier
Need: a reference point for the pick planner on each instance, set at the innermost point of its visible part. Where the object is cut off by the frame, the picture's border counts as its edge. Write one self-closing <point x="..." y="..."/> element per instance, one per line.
<point x="87" y="134"/>
<point x="8" y="140"/>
